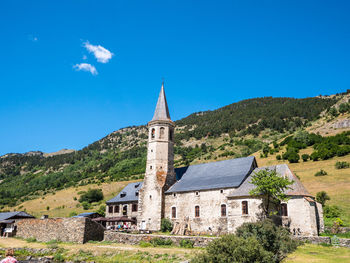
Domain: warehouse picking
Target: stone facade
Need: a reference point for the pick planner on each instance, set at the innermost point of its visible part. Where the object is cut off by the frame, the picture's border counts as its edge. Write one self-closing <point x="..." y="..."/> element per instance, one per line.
<point x="78" y="230"/>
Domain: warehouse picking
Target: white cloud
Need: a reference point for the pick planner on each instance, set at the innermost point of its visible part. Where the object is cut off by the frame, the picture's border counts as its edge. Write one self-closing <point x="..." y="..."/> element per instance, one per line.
<point x="33" y="38"/>
<point x="101" y="54"/>
<point x="84" y="57"/>
<point x="86" y="67"/>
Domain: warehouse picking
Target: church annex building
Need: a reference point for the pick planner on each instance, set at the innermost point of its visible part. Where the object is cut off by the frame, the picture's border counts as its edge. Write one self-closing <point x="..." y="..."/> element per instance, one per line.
<point x="212" y="197"/>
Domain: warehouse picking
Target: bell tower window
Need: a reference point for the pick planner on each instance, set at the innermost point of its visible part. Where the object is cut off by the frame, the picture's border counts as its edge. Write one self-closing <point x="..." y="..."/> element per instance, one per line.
<point x="153" y="133"/>
<point x="171" y="133"/>
<point x="161" y="133"/>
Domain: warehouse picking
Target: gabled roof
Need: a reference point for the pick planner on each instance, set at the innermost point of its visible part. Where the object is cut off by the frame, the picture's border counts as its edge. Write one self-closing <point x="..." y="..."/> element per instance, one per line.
<point x="14" y="215"/>
<point x="296" y="189"/>
<point x="162" y="111"/>
<point x="87" y="214"/>
<point x="214" y="175"/>
<point x="128" y="194"/>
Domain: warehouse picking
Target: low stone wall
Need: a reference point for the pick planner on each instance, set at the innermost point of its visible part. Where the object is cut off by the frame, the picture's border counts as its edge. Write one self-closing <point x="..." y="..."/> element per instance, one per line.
<point x="342" y="230"/>
<point x="79" y="230"/>
<point x="134" y="239"/>
<point x="343" y="242"/>
<point x="200" y="241"/>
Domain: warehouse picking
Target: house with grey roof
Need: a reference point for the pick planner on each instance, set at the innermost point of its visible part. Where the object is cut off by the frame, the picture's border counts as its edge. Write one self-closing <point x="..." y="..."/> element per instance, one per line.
<point x="8" y="220"/>
<point x="206" y="198"/>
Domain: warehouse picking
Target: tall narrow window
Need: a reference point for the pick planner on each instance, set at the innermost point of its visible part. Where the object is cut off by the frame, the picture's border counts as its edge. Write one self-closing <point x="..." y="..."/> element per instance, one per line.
<point x="134" y="208"/>
<point x="153" y="133"/>
<point x="110" y="209"/>
<point x="244" y="207"/>
<point x="173" y="212"/>
<point x="116" y="209"/>
<point x="171" y="132"/>
<point x="125" y="210"/>
<point x="196" y="211"/>
<point x="161" y="133"/>
<point x="284" y="210"/>
<point x="223" y="210"/>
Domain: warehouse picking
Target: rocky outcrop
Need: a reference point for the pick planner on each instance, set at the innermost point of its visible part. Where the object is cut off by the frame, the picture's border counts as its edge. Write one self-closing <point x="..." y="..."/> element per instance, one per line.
<point x="342" y="124"/>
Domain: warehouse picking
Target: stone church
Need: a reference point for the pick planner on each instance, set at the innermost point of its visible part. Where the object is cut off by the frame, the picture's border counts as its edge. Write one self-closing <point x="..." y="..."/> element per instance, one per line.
<point x="212" y="197"/>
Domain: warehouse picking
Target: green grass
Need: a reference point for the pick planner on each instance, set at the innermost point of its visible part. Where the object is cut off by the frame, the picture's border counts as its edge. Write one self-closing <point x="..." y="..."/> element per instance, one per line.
<point x="319" y="253"/>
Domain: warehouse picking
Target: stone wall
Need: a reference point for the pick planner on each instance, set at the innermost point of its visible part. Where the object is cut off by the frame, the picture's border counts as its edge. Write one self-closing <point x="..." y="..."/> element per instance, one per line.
<point x="134" y="239"/>
<point x="78" y="230"/>
<point x="343" y="242"/>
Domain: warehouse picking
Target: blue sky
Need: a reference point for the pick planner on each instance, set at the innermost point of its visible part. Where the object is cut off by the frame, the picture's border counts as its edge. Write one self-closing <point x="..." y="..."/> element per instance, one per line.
<point x="210" y="53"/>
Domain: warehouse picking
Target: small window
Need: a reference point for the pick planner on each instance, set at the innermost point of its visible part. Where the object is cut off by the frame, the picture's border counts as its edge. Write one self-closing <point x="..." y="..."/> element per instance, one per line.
<point x="150" y="197"/>
<point x="223" y="210"/>
<point x="284" y="210"/>
<point x="110" y="209"/>
<point x="116" y="209"/>
<point x="122" y="194"/>
<point x="196" y="211"/>
<point x="221" y="191"/>
<point x="137" y="193"/>
<point x="171" y="132"/>
<point x="125" y="210"/>
<point x="153" y="133"/>
<point x="150" y="167"/>
<point x="134" y="208"/>
<point x="173" y="212"/>
<point x="161" y="132"/>
<point x="174" y="195"/>
<point x="244" y="207"/>
<point x="197" y="193"/>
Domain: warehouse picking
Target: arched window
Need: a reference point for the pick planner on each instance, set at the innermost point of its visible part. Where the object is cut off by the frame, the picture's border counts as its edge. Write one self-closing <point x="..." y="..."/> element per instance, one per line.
<point x="173" y="212"/>
<point x="223" y="210"/>
<point x="284" y="210"/>
<point x="116" y="209"/>
<point x="161" y="133"/>
<point x="244" y="207"/>
<point x="153" y="133"/>
<point x="125" y="210"/>
<point x="134" y="208"/>
<point x="110" y="209"/>
<point x="196" y="211"/>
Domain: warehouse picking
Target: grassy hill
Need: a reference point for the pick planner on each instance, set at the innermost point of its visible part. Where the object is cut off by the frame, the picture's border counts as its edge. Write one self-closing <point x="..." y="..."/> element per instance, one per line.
<point x="35" y="181"/>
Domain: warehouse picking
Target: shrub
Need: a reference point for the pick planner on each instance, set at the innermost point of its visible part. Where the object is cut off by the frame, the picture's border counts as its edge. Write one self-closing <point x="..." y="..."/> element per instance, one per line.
<point x="342" y="165"/>
<point x="186" y="243"/>
<point x="231" y="248"/>
<point x="86" y="205"/>
<point x="293" y="157"/>
<point x="30" y="239"/>
<point x="156" y="242"/>
<point x="321" y="173"/>
<point x="274" y="239"/>
<point x="331" y="211"/>
<point x="278" y="157"/>
<point x="145" y="244"/>
<point x="58" y="257"/>
<point x="322" y="197"/>
<point x="305" y="157"/>
<point x="73" y="213"/>
<point x="166" y="225"/>
<point x="92" y="195"/>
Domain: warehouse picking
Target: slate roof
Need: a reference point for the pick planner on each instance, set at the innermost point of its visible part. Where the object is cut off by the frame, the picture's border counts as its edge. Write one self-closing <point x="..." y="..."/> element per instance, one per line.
<point x="214" y="175"/>
<point x="87" y="214"/>
<point x="296" y="189"/>
<point x="10" y="215"/>
<point x="130" y="194"/>
<point x="162" y="110"/>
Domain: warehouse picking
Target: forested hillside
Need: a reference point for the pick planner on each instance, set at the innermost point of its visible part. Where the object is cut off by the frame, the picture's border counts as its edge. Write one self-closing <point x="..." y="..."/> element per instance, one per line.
<point x="235" y="130"/>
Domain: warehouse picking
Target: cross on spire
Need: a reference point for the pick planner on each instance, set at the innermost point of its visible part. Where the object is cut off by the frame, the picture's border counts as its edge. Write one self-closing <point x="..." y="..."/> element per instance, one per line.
<point x="162" y="111"/>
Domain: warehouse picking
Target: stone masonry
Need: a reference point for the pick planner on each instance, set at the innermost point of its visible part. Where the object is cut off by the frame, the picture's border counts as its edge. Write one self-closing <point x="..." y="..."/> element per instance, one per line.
<point x="79" y="230"/>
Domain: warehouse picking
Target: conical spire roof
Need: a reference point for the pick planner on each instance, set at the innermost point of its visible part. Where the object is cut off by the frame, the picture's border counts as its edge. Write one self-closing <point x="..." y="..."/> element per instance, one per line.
<point x="162" y="110"/>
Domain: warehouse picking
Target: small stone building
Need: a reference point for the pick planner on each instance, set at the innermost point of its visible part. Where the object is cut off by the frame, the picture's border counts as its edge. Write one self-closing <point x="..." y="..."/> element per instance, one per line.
<point x="211" y="197"/>
<point x="124" y="207"/>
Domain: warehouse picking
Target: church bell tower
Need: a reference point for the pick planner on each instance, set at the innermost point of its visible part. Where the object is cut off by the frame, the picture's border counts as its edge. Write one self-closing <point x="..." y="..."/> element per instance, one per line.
<point x="160" y="173"/>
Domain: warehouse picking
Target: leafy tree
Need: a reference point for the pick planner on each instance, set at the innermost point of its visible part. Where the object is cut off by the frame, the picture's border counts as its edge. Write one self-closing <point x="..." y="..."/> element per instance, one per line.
<point x="305" y="157"/>
<point x="92" y="195"/>
<point x="101" y="210"/>
<point x="322" y="197"/>
<point x="344" y="107"/>
<point x="342" y="165"/>
<point x="293" y="157"/>
<point x="86" y="205"/>
<point x="231" y="248"/>
<point x="333" y="111"/>
<point x="276" y="240"/>
<point x="331" y="211"/>
<point x="271" y="186"/>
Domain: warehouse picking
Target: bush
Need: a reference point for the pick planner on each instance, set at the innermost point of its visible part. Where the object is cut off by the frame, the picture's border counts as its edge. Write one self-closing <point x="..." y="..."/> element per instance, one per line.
<point x="145" y="244"/>
<point x="321" y="173"/>
<point x="274" y="239"/>
<point x="166" y="225"/>
<point x="293" y="157"/>
<point x="322" y="197"/>
<point x="278" y="157"/>
<point x="86" y="205"/>
<point x="58" y="257"/>
<point x="186" y="243"/>
<point x="92" y="195"/>
<point x="156" y="242"/>
<point x="231" y="248"/>
<point x="30" y="239"/>
<point x="331" y="211"/>
<point x="73" y="213"/>
<point x="342" y="165"/>
<point x="305" y="157"/>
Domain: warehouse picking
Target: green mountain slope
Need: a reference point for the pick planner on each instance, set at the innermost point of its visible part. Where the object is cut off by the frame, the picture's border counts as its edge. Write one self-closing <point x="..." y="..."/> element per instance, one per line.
<point x="236" y="130"/>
